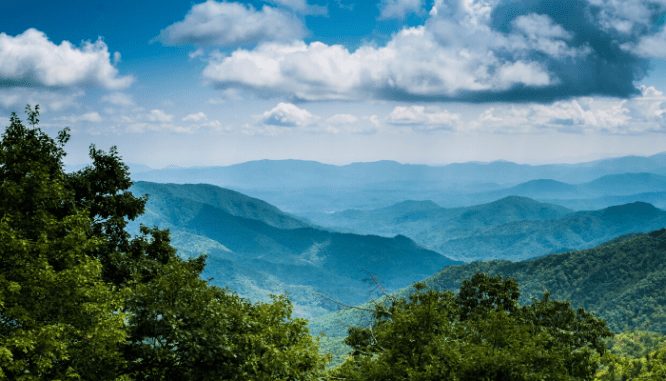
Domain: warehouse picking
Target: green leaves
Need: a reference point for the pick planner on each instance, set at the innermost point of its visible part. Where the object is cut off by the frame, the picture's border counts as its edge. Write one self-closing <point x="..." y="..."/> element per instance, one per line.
<point x="82" y="300"/>
<point x="482" y="333"/>
<point x="58" y="320"/>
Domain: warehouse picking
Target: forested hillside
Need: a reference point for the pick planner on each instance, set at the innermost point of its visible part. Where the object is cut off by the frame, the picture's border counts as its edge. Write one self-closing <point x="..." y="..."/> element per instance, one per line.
<point x="256" y="249"/>
<point x="80" y="298"/>
<point x="621" y="281"/>
<point x="513" y="228"/>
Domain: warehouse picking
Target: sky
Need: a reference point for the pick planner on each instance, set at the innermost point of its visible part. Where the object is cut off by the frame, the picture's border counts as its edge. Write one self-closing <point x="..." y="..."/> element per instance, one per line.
<point x="193" y="83"/>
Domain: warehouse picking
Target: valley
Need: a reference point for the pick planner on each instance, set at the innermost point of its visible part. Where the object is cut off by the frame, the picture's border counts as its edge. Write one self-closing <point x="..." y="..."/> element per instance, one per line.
<point x="258" y="249"/>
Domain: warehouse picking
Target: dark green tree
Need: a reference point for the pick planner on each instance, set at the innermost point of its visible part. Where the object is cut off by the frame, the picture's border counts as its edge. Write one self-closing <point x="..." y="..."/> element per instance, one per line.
<point x="58" y="319"/>
<point x="480" y="334"/>
<point x="163" y="322"/>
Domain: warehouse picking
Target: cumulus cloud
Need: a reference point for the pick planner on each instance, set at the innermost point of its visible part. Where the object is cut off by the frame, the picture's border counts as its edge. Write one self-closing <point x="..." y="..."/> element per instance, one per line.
<point x="158" y="116"/>
<point x="195" y="117"/>
<point x="646" y="113"/>
<point x="31" y="60"/>
<point x="232" y="24"/>
<point x="421" y="118"/>
<point x="398" y="9"/>
<point x="467" y="50"/>
<point x="651" y="46"/>
<point x="287" y="115"/>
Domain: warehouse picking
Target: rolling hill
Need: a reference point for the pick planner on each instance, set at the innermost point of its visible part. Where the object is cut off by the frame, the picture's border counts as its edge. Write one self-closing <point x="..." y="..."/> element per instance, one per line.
<point x="621" y="281"/>
<point x="522" y="240"/>
<point x="256" y="249"/>
<point x="512" y="228"/>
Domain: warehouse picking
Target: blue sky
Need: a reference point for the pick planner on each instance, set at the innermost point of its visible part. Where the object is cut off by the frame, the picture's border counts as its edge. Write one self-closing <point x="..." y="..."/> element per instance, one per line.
<point x="340" y="81"/>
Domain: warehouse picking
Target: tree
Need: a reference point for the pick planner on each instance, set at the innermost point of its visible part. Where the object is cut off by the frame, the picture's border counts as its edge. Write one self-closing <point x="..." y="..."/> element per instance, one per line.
<point x="81" y="298"/>
<point x="480" y="334"/>
<point x="58" y="319"/>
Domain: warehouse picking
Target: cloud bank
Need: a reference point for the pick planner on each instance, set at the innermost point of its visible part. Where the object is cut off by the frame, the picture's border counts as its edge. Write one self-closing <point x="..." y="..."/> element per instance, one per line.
<point x="466" y="50"/>
<point x="31" y="60"/>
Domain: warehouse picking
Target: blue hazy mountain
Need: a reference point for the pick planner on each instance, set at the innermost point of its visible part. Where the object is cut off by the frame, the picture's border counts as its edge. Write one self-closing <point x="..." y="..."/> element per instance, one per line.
<point x="300" y="186"/>
<point x="623" y="184"/>
<point x="521" y="240"/>
<point x="513" y="228"/>
<point x="257" y="249"/>
<point x="621" y="281"/>
<point x="423" y="219"/>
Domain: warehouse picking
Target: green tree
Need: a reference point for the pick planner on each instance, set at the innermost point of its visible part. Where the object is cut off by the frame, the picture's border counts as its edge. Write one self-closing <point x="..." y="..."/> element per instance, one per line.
<point x="58" y="319"/>
<point x="118" y="306"/>
<point x="480" y="334"/>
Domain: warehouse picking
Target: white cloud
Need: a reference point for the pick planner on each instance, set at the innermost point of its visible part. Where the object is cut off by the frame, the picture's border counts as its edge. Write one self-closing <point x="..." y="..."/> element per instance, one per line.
<point x="421" y="118"/>
<point x="118" y="99"/>
<point x="195" y="117"/>
<point x="302" y="7"/>
<point x="374" y="120"/>
<point x="414" y="62"/>
<point x="31" y="60"/>
<point x="398" y="9"/>
<point x="232" y="24"/>
<point x="197" y="53"/>
<point x="581" y="115"/>
<point x="651" y="46"/>
<point x="92" y="117"/>
<point x="543" y="35"/>
<point x="287" y="115"/>
<point x="158" y="116"/>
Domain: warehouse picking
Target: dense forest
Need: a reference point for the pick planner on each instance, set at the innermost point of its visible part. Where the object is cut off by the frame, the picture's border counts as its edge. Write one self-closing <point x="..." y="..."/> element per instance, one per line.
<point x="82" y="299"/>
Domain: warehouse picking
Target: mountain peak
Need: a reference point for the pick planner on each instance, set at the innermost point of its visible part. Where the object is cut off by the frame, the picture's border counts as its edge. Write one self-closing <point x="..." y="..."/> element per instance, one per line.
<point x="635" y="208"/>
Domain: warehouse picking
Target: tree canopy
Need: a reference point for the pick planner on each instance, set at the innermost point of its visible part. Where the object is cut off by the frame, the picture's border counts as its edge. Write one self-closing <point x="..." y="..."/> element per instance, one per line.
<point x="480" y="334"/>
<point x="81" y="299"/>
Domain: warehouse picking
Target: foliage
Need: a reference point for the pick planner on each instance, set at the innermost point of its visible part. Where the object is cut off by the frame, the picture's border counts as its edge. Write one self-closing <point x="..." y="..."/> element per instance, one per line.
<point x="635" y="355"/>
<point x="82" y="299"/>
<point x="58" y="319"/>
<point x="480" y="334"/>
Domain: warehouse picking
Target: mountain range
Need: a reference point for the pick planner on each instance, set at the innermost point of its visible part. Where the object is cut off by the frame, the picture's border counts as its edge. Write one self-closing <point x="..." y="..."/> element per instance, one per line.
<point x="621" y="281"/>
<point x="300" y="186"/>
<point x="513" y="228"/>
<point x="256" y="249"/>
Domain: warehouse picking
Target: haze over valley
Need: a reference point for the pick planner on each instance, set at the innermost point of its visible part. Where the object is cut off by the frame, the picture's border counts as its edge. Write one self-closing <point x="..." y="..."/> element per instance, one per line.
<point x="398" y="223"/>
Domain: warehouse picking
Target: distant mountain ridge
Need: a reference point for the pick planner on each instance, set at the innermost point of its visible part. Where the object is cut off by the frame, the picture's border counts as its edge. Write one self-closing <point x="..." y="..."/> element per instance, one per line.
<point x="621" y="281"/>
<point x="257" y="249"/>
<point x="521" y="240"/>
<point x="307" y="174"/>
<point x="512" y="228"/>
<point x="299" y="186"/>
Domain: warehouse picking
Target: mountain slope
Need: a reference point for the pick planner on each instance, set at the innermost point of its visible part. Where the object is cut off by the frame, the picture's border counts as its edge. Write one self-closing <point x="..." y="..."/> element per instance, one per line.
<point x="621" y="281"/>
<point x="425" y="220"/>
<point x="257" y="258"/>
<point x="522" y="240"/>
<point x="234" y="203"/>
<point x="623" y="184"/>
